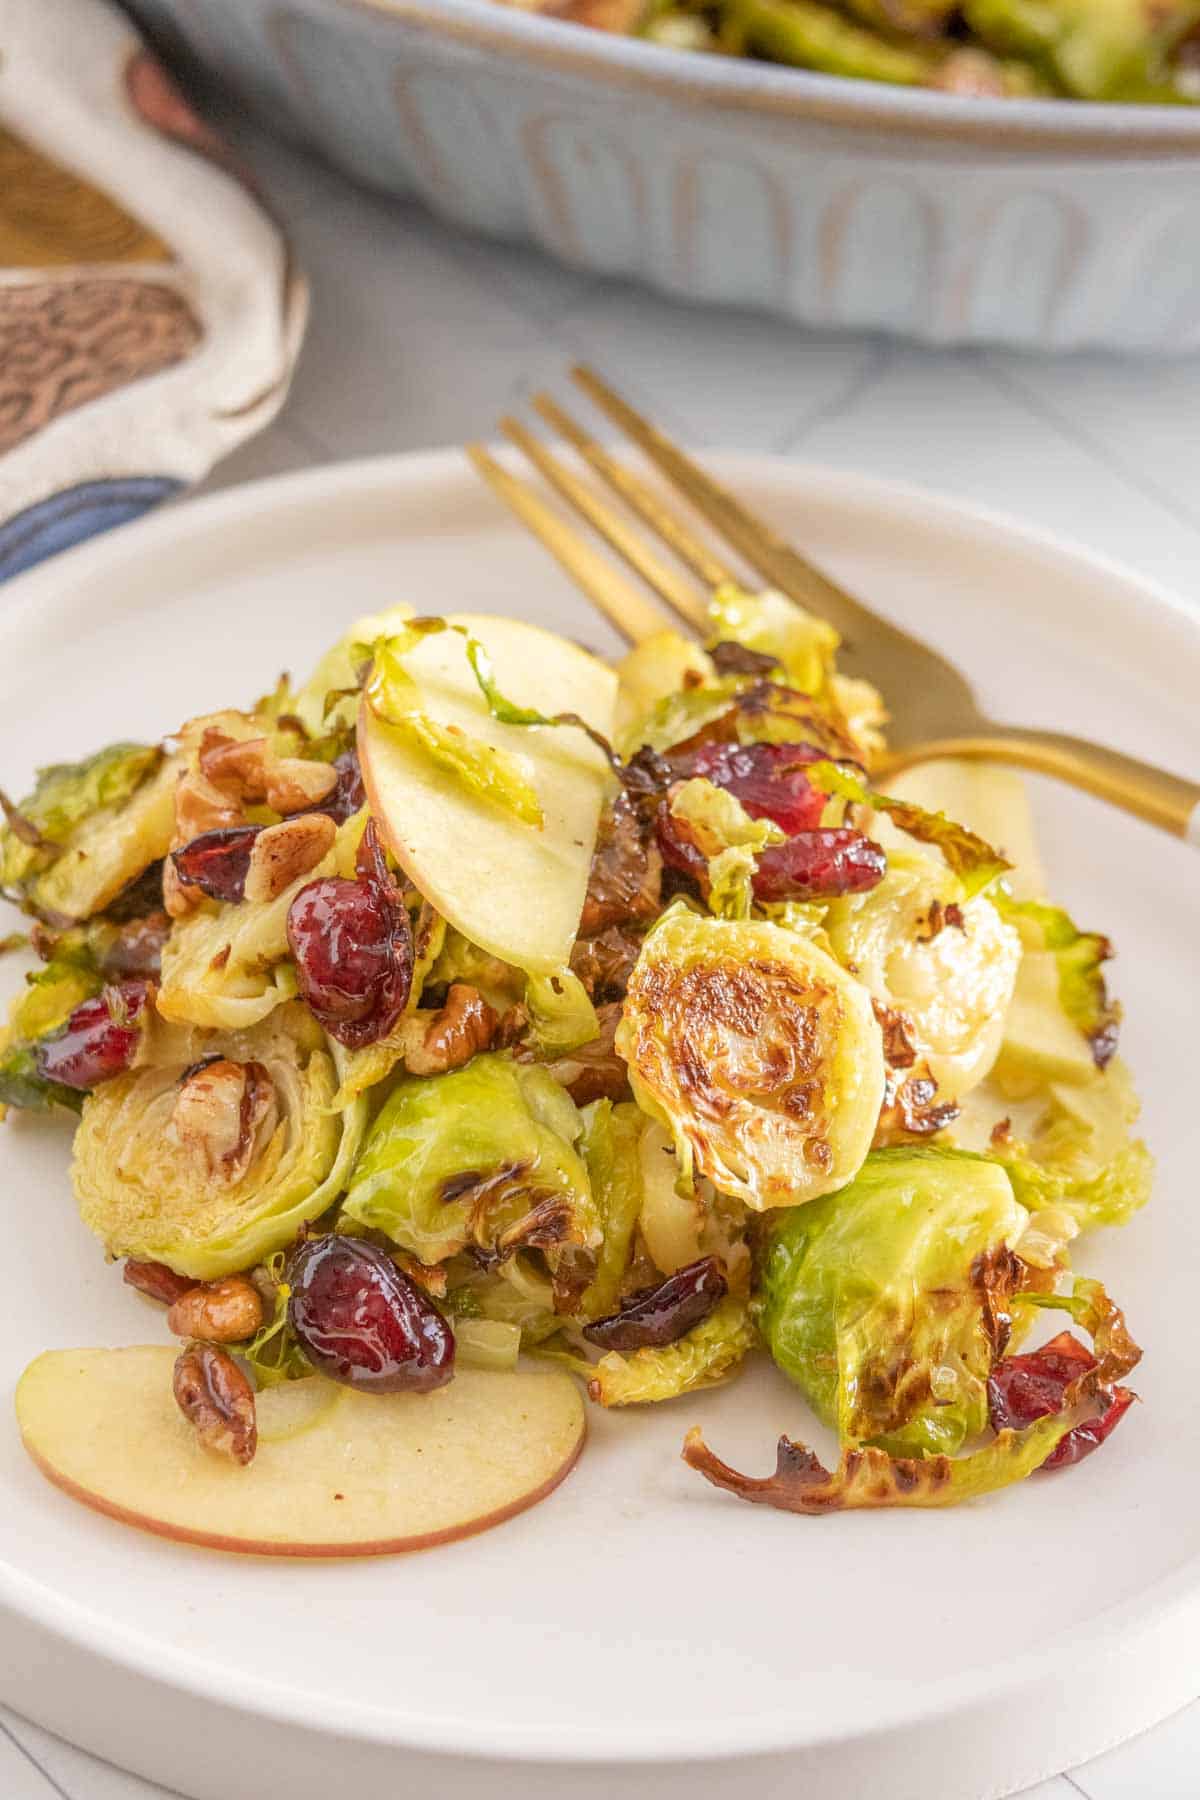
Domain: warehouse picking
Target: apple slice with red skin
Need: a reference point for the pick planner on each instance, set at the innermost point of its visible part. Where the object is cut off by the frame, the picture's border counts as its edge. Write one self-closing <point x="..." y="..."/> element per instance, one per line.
<point x="352" y="1475"/>
<point x="515" y="889"/>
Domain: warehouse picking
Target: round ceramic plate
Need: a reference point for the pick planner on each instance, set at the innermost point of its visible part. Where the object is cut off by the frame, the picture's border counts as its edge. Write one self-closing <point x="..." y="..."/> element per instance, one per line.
<point x="638" y="1633"/>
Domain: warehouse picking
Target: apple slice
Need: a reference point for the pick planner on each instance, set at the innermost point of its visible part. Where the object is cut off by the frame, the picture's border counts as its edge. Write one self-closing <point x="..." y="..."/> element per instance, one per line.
<point x="365" y="1475"/>
<point x="516" y="890"/>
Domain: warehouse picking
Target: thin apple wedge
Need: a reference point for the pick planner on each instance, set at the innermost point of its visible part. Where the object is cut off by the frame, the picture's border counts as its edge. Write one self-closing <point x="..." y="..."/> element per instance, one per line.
<point x="514" y="889"/>
<point x="345" y="1475"/>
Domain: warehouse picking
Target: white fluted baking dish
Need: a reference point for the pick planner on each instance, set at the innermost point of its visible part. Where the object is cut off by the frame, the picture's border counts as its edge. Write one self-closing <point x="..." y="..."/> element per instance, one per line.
<point x="1048" y="223"/>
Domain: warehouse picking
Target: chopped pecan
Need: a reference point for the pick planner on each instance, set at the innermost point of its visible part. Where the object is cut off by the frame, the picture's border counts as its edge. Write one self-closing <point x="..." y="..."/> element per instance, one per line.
<point x="200" y="806"/>
<point x="249" y="770"/>
<point x="465" y="1025"/>
<point x="625" y="882"/>
<point x="155" y="1280"/>
<point x="225" y="1113"/>
<point x="212" y="1392"/>
<point x="605" y="963"/>
<point x="218" y="1312"/>
<point x="285" y="852"/>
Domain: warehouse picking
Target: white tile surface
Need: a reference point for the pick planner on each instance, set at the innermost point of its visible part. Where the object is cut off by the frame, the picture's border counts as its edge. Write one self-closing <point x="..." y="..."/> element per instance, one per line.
<point x="419" y="338"/>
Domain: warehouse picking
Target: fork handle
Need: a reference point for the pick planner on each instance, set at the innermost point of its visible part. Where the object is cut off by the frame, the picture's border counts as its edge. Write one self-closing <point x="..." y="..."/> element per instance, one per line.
<point x="1155" y="795"/>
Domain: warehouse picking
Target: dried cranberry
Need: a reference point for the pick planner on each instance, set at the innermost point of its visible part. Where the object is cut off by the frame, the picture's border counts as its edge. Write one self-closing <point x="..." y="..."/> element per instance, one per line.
<point x="98" y="1041"/>
<point x="349" y="795"/>
<point x="768" y="779"/>
<point x="662" y="1314"/>
<point x="216" y="862"/>
<point x="353" y="948"/>
<point x="819" y="865"/>
<point x="1024" y="1388"/>
<point x="363" y="1322"/>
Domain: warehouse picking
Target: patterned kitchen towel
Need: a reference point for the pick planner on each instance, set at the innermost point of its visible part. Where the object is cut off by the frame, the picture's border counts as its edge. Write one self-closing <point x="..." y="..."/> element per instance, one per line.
<point x="150" y="313"/>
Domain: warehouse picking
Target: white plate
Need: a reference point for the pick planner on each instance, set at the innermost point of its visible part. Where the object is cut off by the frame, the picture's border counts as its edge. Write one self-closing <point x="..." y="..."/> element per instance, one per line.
<point x="638" y="1621"/>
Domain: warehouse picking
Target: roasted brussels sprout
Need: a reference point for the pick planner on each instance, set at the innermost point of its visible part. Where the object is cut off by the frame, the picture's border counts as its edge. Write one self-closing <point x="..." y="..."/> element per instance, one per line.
<point x="213" y="1160"/>
<point x="946" y="964"/>
<point x="760" y="1054"/>
<point x="485" y="1158"/>
<point x="887" y="1302"/>
<point x="89" y="829"/>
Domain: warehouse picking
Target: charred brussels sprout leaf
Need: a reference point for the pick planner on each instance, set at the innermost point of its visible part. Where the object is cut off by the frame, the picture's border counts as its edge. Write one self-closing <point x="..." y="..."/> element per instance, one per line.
<point x="972" y="859"/>
<point x="772" y="625"/>
<point x="886" y="1302"/>
<point x="64" y="795"/>
<point x="485" y="1158"/>
<point x="1094" y="49"/>
<point x="174" y="1165"/>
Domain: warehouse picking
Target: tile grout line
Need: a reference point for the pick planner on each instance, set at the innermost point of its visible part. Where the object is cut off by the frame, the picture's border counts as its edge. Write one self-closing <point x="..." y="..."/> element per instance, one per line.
<point x="1083" y="440"/>
<point x="880" y="358"/>
<point x="32" y="1759"/>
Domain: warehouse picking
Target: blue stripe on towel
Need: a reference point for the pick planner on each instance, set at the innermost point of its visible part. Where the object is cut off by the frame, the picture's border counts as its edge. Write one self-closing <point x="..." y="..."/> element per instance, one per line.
<point x="74" y="514"/>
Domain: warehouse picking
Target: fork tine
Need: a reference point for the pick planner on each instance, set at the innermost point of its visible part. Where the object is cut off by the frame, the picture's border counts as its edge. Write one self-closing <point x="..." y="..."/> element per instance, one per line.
<point x="679" y="594"/>
<point x="623" y="605"/>
<point x="636" y="495"/>
<point x="762" y="548"/>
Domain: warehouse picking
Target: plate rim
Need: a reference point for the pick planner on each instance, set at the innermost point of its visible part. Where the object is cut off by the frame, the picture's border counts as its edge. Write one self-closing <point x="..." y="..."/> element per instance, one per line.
<point x="1168" y="1612"/>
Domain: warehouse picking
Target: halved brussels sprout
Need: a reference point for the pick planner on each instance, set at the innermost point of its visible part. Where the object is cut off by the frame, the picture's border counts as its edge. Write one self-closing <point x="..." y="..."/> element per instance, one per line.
<point x="101" y="823"/>
<point x="886" y="1301"/>
<point x="948" y="964"/>
<point x="483" y="1157"/>
<point x="171" y="1165"/>
<point x="761" y="1055"/>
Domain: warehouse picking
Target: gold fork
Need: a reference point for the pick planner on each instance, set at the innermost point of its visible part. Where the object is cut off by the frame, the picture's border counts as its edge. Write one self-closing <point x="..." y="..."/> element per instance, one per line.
<point x="934" y="712"/>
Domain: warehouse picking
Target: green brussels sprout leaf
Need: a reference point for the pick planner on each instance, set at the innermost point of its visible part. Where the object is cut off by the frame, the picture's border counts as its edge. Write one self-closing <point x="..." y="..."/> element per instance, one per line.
<point x="973" y="860"/>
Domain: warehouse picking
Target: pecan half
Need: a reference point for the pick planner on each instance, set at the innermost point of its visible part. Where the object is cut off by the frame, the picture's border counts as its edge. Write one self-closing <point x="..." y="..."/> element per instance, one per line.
<point x="213" y="1394"/>
<point x="465" y="1025"/>
<point x="156" y="1281"/>
<point x="218" y="1312"/>
<point x="225" y="1113"/>
<point x="283" y="853"/>
<point x="249" y="770"/>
